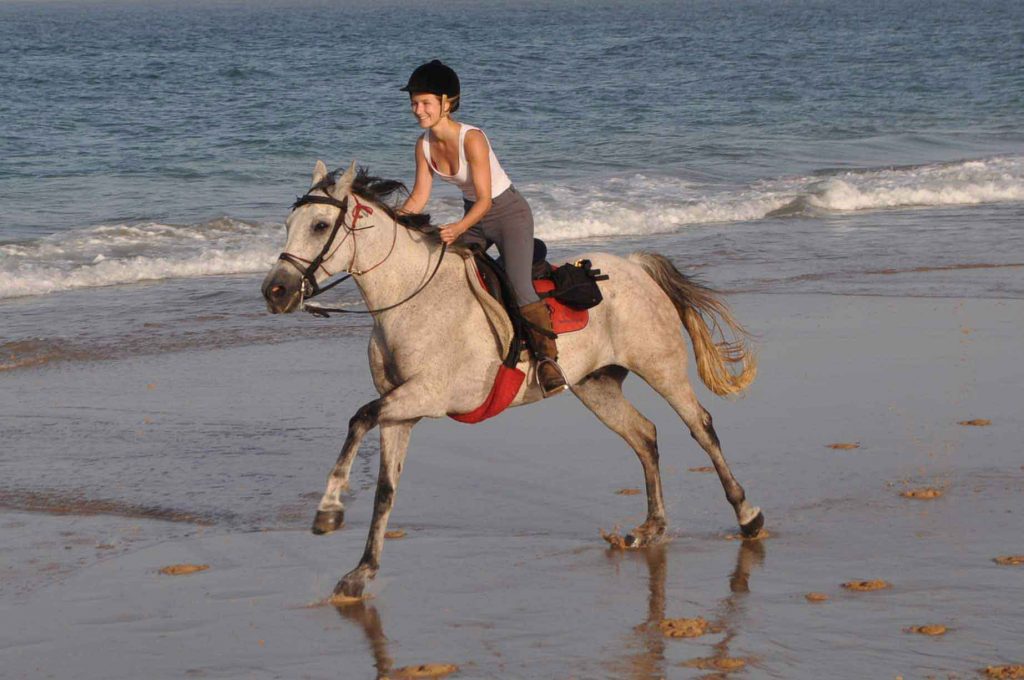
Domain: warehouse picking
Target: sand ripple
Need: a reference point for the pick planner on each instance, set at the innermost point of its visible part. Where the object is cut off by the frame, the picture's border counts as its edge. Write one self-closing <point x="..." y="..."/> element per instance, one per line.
<point x="424" y="670"/>
<point x="684" y="628"/>
<point x="925" y="494"/>
<point x="867" y="586"/>
<point x="182" y="569"/>
<point x="723" y="663"/>
<point x="931" y="629"/>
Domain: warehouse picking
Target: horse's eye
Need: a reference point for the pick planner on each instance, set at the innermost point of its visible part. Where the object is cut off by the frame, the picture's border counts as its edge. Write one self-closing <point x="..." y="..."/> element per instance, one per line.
<point x="320" y="226"/>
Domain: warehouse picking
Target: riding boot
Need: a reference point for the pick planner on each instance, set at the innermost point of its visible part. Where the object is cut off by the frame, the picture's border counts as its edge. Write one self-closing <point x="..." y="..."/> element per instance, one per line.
<point x="550" y="376"/>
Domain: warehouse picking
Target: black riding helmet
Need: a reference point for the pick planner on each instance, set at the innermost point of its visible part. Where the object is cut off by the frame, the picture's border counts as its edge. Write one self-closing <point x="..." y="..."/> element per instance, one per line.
<point x="435" y="78"/>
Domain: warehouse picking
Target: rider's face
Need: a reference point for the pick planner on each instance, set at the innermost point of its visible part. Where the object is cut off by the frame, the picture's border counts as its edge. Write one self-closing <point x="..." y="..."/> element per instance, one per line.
<point x="426" y="108"/>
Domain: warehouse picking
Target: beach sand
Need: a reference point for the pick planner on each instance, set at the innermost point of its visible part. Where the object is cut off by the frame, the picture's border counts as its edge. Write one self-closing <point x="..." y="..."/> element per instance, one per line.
<point x="114" y="469"/>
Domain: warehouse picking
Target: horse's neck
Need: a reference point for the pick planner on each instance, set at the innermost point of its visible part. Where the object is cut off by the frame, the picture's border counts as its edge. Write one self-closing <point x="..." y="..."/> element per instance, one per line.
<point x="396" y="273"/>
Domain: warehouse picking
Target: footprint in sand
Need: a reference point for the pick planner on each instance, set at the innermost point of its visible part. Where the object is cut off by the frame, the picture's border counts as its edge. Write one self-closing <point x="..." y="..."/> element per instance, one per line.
<point x="844" y="446"/>
<point x="932" y="629"/>
<point x="925" y="494"/>
<point x="1009" y="560"/>
<point x="182" y="569"/>
<point x="423" y="670"/>
<point x="866" y="586"/>
<point x="683" y="628"/>
<point x="722" y="663"/>
<point x="976" y="422"/>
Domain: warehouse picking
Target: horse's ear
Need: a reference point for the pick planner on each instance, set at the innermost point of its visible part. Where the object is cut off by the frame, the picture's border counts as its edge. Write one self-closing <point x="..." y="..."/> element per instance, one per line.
<point x="319" y="172"/>
<point x="344" y="182"/>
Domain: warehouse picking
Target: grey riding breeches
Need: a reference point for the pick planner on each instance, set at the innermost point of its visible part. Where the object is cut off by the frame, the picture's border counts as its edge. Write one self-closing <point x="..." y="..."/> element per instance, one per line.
<point x="508" y="225"/>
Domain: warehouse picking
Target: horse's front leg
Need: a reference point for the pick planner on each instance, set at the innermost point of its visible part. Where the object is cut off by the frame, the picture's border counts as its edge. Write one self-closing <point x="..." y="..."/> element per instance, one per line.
<point x="330" y="514"/>
<point x="394" y="443"/>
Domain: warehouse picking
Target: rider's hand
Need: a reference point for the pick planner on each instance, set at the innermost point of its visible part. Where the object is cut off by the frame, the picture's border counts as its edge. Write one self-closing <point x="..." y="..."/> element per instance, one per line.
<point x="451" y="232"/>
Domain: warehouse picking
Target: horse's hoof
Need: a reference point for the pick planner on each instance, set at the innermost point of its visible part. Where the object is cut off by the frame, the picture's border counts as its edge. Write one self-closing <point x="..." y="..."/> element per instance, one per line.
<point x="349" y="589"/>
<point x="327" y="521"/>
<point x="644" y="537"/>
<point x="754" y="526"/>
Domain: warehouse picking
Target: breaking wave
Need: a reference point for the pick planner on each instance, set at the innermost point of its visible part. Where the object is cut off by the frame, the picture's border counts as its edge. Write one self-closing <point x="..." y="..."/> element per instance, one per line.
<point x="615" y="207"/>
<point x="644" y="205"/>
<point x="128" y="253"/>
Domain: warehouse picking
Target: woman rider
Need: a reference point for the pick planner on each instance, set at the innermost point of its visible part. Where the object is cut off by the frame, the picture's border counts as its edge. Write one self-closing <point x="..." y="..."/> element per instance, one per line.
<point x="494" y="211"/>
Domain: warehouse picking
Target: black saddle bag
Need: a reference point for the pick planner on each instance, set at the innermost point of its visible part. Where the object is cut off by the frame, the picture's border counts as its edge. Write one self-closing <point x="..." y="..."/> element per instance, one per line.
<point x="576" y="285"/>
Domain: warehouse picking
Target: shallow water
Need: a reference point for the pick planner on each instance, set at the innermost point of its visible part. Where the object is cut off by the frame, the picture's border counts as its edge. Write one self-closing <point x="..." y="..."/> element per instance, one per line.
<point x="503" y="571"/>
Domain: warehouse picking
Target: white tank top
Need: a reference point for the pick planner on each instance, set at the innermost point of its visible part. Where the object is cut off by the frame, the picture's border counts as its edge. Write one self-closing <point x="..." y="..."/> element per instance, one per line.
<point x="464" y="178"/>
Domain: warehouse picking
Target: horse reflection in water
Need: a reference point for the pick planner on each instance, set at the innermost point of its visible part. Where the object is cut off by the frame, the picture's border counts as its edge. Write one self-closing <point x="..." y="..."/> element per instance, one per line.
<point x="648" y="662"/>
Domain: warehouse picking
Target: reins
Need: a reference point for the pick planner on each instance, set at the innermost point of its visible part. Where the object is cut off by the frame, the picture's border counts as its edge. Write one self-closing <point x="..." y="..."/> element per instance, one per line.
<point x="310" y="288"/>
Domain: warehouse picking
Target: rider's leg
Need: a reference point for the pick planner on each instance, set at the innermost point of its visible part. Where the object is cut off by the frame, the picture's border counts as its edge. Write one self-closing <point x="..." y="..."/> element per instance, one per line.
<point x="549" y="374"/>
<point x="509" y="224"/>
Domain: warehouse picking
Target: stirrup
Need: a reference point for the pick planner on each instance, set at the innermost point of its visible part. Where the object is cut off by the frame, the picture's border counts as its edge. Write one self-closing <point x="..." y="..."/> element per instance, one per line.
<point x="557" y="389"/>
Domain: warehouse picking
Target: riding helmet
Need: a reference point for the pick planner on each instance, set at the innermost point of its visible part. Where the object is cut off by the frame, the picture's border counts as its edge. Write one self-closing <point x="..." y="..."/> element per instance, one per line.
<point x="435" y="78"/>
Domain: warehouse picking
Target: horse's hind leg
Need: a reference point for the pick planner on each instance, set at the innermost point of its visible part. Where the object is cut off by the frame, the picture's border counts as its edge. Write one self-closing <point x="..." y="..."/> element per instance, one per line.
<point x="601" y="392"/>
<point x="670" y="381"/>
<point x="330" y="514"/>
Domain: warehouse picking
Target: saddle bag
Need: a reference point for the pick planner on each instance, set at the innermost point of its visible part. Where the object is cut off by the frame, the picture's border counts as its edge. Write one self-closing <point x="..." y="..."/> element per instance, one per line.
<point x="576" y="285"/>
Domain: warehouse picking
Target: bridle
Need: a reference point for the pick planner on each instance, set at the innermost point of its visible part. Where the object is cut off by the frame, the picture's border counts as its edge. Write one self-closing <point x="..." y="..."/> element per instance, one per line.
<point x="308" y="268"/>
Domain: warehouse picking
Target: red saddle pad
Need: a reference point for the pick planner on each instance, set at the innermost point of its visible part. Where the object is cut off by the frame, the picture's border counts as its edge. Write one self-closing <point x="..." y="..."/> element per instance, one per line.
<point x="563" y="319"/>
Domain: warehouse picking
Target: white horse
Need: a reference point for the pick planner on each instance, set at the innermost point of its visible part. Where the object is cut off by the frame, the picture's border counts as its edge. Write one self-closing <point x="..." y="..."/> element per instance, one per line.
<point x="435" y="353"/>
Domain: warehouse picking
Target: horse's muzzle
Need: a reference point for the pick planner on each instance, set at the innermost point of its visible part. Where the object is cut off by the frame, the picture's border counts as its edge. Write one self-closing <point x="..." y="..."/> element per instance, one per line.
<point x="282" y="289"/>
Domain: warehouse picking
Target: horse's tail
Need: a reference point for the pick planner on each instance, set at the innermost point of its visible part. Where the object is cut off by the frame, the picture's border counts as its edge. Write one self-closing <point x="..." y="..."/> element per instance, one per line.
<point x="727" y="367"/>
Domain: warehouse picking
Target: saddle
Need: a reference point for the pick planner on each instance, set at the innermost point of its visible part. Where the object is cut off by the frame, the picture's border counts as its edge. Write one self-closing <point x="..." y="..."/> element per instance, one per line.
<point x="492" y="288"/>
<point x="567" y="293"/>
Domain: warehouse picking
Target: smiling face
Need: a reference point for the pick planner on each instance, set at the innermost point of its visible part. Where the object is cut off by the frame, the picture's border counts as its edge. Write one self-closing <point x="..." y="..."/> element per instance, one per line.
<point x="426" y="108"/>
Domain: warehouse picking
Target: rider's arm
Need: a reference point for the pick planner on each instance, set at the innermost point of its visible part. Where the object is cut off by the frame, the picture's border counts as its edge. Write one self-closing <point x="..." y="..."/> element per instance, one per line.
<point x="417" y="200"/>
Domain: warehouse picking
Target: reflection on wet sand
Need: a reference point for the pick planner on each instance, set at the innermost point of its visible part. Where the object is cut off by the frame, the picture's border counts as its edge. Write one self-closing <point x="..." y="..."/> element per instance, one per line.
<point x="649" y="661"/>
<point x="646" y="644"/>
<point x="367" y="617"/>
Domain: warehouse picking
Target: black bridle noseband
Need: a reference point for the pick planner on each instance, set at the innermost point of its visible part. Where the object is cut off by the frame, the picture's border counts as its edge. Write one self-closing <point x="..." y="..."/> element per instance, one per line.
<point x="308" y="268"/>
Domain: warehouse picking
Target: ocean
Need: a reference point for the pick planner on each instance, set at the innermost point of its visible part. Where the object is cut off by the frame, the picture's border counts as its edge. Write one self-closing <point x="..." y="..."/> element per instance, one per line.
<point x="847" y="147"/>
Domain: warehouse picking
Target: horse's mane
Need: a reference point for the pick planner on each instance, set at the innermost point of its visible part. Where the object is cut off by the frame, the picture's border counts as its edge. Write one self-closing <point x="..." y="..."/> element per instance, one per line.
<point x="383" y="192"/>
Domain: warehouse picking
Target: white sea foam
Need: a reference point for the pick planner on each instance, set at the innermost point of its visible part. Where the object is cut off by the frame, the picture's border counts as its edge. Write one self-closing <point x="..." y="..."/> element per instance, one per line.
<point x="616" y="207"/>
<point x="118" y="254"/>
<point x="966" y="184"/>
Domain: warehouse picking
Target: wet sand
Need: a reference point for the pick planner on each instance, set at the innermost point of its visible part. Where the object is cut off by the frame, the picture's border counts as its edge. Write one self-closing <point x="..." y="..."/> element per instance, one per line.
<point x="112" y="470"/>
